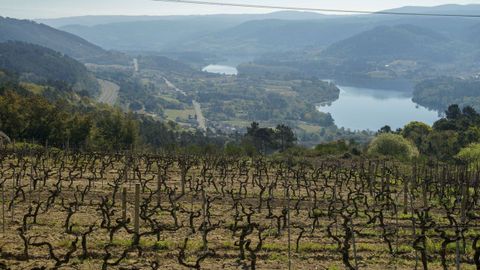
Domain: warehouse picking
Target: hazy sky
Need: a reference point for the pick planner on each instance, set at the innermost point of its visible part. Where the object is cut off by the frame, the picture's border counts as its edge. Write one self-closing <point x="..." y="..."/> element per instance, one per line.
<point x="63" y="8"/>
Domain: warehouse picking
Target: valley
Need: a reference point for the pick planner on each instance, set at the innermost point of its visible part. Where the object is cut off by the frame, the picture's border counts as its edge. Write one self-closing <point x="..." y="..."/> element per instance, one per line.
<point x="282" y="140"/>
<point x="243" y="69"/>
<point x="373" y="107"/>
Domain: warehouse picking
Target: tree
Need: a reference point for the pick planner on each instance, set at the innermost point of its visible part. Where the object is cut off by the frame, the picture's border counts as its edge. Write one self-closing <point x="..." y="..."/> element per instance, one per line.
<point x="458" y="129"/>
<point x="453" y="112"/>
<point x="114" y="130"/>
<point x="392" y="145"/>
<point x="470" y="112"/>
<point x="417" y="132"/>
<point x="80" y="126"/>
<point x="262" y="138"/>
<point x="471" y="153"/>
<point x="385" y="129"/>
<point x="253" y="128"/>
<point x="12" y="115"/>
<point x="267" y="139"/>
<point x="4" y="139"/>
<point x="443" y="144"/>
<point x="232" y="149"/>
<point x="332" y="148"/>
<point x="284" y="137"/>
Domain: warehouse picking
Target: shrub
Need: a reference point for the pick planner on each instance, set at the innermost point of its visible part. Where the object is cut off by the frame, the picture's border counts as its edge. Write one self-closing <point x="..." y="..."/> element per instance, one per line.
<point x="392" y="145"/>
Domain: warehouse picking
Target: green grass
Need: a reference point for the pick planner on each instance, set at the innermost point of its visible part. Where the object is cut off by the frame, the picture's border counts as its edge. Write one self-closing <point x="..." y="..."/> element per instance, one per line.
<point x="124" y="242"/>
<point x="403" y="216"/>
<point x="310" y="247"/>
<point x="405" y="249"/>
<point x="375" y="247"/>
<point x="34" y="88"/>
<point x="238" y="123"/>
<point x="194" y="245"/>
<point x="274" y="256"/>
<point x="275" y="247"/>
<point x="164" y="245"/>
<point x="180" y="114"/>
<point x="66" y="243"/>
<point x="309" y="128"/>
<point x="281" y="90"/>
<point x="169" y="99"/>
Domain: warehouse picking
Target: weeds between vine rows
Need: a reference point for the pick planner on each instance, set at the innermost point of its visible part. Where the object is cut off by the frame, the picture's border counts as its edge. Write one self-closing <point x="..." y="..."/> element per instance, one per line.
<point x="64" y="210"/>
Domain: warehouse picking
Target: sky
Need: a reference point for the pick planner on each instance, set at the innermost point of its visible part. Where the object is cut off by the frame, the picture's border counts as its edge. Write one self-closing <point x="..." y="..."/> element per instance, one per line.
<point x="35" y="9"/>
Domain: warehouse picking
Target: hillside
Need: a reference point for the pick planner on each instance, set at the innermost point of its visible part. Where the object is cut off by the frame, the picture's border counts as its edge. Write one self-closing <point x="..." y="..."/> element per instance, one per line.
<point x="471" y="9"/>
<point x="224" y="36"/>
<point x="473" y="34"/>
<point x="252" y="34"/>
<point x="264" y="36"/>
<point x="39" y="64"/>
<point x="389" y="43"/>
<point x="164" y="64"/>
<point x="146" y="35"/>
<point x="159" y="33"/>
<point x="43" y="35"/>
<point x="440" y="93"/>
<point x="388" y="56"/>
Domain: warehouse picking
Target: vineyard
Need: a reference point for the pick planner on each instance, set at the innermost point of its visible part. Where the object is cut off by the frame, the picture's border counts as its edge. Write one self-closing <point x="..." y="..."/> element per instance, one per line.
<point x="63" y="210"/>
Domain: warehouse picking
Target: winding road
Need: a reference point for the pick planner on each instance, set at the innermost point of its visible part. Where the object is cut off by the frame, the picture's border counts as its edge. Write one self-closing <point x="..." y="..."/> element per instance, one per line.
<point x="108" y="92"/>
<point x="202" y="123"/>
<point x="135" y="65"/>
<point x="171" y="85"/>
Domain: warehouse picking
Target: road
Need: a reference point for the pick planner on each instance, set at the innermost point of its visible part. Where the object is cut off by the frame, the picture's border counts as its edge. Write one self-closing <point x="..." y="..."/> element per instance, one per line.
<point x="202" y="123"/>
<point x="109" y="92"/>
<point x="135" y="64"/>
<point x="171" y="85"/>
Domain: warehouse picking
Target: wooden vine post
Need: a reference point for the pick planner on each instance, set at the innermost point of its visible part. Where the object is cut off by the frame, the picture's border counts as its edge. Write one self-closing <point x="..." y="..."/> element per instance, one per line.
<point x="12" y="208"/>
<point x="159" y="187"/>
<point x="136" y="223"/>
<point x="124" y="204"/>
<point x="354" y="245"/>
<point x="3" y="208"/>
<point x="287" y="193"/>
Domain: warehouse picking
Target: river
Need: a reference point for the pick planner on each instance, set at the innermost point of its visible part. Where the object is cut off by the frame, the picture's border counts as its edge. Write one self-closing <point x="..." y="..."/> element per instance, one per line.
<point x="221" y="69"/>
<point x="228" y="66"/>
<point x="361" y="108"/>
<point x="364" y="108"/>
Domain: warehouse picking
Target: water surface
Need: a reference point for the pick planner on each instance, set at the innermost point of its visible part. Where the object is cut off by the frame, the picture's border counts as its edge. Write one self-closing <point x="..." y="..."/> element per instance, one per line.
<point x="364" y="108"/>
<point x="221" y="69"/>
<point x="360" y="108"/>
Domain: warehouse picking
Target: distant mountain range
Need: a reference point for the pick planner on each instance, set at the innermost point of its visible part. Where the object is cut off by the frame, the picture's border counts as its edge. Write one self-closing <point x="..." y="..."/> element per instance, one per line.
<point x="236" y="18"/>
<point x="389" y="43"/>
<point x="472" y="9"/>
<point x="253" y="34"/>
<point x="324" y="45"/>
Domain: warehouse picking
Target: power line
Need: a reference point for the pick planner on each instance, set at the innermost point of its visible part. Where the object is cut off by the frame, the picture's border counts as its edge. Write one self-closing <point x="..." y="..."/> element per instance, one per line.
<point x="208" y="3"/>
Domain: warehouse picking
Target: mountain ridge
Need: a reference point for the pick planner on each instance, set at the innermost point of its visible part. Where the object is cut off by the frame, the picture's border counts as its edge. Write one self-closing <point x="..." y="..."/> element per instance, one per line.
<point x="252" y="35"/>
<point x="406" y="42"/>
<point x="92" y="20"/>
<point x="34" y="63"/>
<point x="43" y="35"/>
